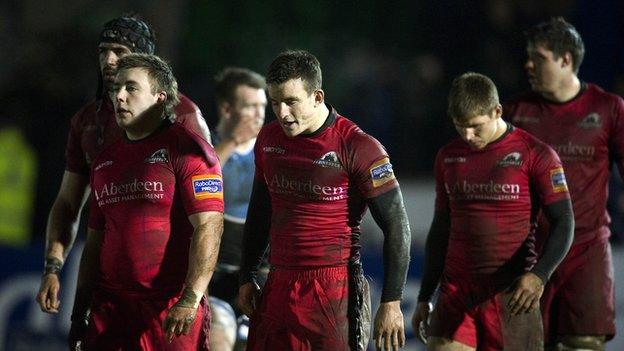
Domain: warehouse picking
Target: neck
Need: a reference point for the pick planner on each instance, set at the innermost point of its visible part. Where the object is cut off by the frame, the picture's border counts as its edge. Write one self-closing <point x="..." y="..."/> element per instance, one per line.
<point x="144" y="128"/>
<point x="501" y="128"/>
<point x="565" y="91"/>
<point x="320" y="116"/>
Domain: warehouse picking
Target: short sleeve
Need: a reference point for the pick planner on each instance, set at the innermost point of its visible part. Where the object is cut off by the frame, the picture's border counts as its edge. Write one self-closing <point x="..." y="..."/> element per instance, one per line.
<point x="370" y="167"/>
<point x="442" y="199"/>
<point x="198" y="176"/>
<point x="616" y="135"/>
<point x="258" y="154"/>
<point x="75" y="159"/>
<point x="547" y="175"/>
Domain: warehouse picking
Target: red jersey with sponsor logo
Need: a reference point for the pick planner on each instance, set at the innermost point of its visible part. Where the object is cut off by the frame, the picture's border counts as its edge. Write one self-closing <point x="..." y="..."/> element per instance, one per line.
<point x="492" y="196"/>
<point x="319" y="184"/>
<point x="142" y="194"/>
<point x="588" y="135"/>
<point x="92" y="131"/>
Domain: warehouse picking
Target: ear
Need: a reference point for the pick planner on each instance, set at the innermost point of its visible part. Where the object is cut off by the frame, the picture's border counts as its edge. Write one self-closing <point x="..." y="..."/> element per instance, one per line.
<point x="498" y="111"/>
<point x="567" y="60"/>
<point x="162" y="97"/>
<point x="319" y="97"/>
<point x="224" y="110"/>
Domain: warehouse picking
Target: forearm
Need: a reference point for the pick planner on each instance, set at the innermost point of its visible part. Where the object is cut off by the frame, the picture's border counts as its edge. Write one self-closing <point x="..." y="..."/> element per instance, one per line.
<point x="256" y="232"/>
<point x="203" y="254"/>
<point x="64" y="215"/>
<point x="61" y="230"/>
<point x="561" y="223"/>
<point x="435" y="255"/>
<point x="389" y="212"/>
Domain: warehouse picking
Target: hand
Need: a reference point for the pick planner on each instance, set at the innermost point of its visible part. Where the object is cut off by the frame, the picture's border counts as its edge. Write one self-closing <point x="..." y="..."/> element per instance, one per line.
<point x="389" y="331"/>
<point x="179" y="321"/>
<point x="249" y="298"/>
<point x="76" y="336"/>
<point x="244" y="129"/>
<point x="526" y="294"/>
<point x="48" y="293"/>
<point x="420" y="320"/>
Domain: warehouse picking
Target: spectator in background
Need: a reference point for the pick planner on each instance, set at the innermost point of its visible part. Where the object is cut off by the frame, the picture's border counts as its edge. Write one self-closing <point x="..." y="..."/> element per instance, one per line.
<point x="241" y="105"/>
<point x="92" y="129"/>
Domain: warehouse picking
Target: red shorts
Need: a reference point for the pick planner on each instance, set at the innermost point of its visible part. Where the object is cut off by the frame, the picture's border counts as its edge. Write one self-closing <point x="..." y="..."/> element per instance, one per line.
<point x="477" y="315"/>
<point x="131" y="322"/>
<point x="579" y="299"/>
<point x="302" y="310"/>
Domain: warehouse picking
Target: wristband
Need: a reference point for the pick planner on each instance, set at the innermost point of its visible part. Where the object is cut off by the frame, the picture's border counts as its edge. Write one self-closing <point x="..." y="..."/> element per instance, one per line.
<point x="190" y="298"/>
<point x="52" y="266"/>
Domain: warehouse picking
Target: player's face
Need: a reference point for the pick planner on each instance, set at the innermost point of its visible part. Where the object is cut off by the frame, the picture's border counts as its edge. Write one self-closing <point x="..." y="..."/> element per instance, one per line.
<point x="249" y="103"/>
<point x="481" y="130"/>
<point x="109" y="54"/>
<point x="134" y="100"/>
<point x="296" y="109"/>
<point x="544" y="70"/>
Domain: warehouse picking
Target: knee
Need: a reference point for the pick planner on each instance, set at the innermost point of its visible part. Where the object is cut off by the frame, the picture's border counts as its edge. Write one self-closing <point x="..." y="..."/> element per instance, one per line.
<point x="580" y="342"/>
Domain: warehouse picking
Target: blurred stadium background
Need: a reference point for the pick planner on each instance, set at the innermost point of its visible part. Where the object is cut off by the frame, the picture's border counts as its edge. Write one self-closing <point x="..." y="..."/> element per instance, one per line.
<point x="386" y="65"/>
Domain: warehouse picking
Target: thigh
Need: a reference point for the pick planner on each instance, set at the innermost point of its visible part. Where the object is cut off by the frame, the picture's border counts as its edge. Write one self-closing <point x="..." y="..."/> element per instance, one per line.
<point x="583" y="300"/>
<point x="318" y="313"/>
<point x="442" y="344"/>
<point x="501" y="330"/>
<point x="452" y="318"/>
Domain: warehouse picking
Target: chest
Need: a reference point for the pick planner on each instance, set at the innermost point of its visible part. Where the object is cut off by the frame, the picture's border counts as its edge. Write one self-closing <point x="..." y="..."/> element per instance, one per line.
<point x="133" y="175"/>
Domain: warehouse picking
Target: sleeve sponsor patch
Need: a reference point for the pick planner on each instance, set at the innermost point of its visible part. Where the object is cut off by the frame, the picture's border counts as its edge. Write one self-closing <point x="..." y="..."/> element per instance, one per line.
<point x="558" y="180"/>
<point x="208" y="186"/>
<point x="381" y="172"/>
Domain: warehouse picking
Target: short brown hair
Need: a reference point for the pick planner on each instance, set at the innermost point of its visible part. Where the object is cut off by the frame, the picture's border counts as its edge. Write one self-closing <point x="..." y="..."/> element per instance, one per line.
<point x="160" y="76"/>
<point x="472" y="94"/>
<point x="293" y="64"/>
<point x="231" y="78"/>
<point x="558" y="36"/>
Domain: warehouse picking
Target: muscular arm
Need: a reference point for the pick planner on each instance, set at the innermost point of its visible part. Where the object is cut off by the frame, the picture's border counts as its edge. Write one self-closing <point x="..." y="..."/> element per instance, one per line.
<point x="256" y="233"/>
<point x="561" y="221"/>
<point x="204" y="249"/>
<point x="435" y="254"/>
<point x="60" y="235"/>
<point x="202" y="260"/>
<point x="389" y="213"/>
<point x="64" y="216"/>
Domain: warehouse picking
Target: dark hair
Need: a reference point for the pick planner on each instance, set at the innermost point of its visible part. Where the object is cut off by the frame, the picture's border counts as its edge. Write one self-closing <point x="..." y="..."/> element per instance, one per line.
<point x="293" y="64"/>
<point x="131" y="31"/>
<point x="231" y="78"/>
<point x="160" y="76"/>
<point x="472" y="94"/>
<point x="558" y="36"/>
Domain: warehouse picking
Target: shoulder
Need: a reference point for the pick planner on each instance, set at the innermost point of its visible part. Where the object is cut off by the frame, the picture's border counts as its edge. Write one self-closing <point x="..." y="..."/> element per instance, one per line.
<point x="86" y="113"/>
<point x="533" y="145"/>
<point x="598" y="94"/>
<point x="186" y="106"/>
<point x="353" y="136"/>
<point x="185" y="141"/>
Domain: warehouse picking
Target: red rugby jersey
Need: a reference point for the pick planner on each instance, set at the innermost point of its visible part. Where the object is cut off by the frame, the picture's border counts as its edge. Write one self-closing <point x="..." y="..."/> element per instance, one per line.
<point x="492" y="196"/>
<point x="142" y="194"/>
<point x="85" y="142"/>
<point x="588" y="134"/>
<point x="318" y="185"/>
